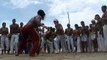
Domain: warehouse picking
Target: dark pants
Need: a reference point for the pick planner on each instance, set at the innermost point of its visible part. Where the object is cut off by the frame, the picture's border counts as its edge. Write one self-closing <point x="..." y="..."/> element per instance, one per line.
<point x="95" y="45"/>
<point x="84" y="46"/>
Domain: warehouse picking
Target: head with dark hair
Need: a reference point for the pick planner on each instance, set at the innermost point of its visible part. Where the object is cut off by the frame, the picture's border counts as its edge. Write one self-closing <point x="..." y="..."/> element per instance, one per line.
<point x="104" y="8"/>
<point x="41" y="13"/>
<point x="21" y="24"/>
<point x="14" y="21"/>
<point x="82" y="23"/>
<point x="68" y="25"/>
<point x="56" y="21"/>
<point x="90" y="26"/>
<point x="97" y="17"/>
<point x="53" y="29"/>
<point x="4" y="24"/>
<point x="93" y="22"/>
<point x="87" y="26"/>
<point x="76" y="26"/>
<point x="50" y="27"/>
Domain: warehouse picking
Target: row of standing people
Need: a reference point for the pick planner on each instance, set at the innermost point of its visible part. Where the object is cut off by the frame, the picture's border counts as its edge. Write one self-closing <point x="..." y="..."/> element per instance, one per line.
<point x="71" y="40"/>
<point x="9" y="41"/>
<point x="81" y="39"/>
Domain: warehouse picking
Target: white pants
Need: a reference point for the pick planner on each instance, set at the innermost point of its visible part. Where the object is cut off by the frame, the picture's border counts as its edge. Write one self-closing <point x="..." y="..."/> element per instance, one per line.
<point x="49" y="45"/>
<point x="62" y="40"/>
<point x="56" y="44"/>
<point x="14" y="42"/>
<point x="84" y="37"/>
<point x="78" y="45"/>
<point x="70" y="43"/>
<point x="92" y="37"/>
<point x="4" y="40"/>
<point x="90" y="46"/>
<point x="105" y="36"/>
<point x="42" y="44"/>
<point x="100" y="42"/>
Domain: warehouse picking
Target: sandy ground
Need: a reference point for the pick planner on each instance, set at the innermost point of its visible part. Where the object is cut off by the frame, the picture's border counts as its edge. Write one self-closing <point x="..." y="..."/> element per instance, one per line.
<point x="61" y="56"/>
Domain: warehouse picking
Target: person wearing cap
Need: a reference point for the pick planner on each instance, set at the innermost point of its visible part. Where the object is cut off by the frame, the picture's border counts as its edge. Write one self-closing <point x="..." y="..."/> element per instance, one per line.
<point x="4" y="38"/>
<point x="29" y="31"/>
<point x="104" y="20"/>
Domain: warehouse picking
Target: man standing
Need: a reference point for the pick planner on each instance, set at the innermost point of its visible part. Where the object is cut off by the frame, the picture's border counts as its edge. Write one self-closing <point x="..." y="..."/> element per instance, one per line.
<point x="43" y="41"/>
<point x="76" y="34"/>
<point x="84" y="37"/>
<point x="14" y="32"/>
<point x="60" y="35"/>
<point x="94" y="35"/>
<point x="4" y="38"/>
<point x="104" y="19"/>
<point x="29" y="31"/>
<point x="99" y="28"/>
<point x="69" y="33"/>
<point x="21" y="25"/>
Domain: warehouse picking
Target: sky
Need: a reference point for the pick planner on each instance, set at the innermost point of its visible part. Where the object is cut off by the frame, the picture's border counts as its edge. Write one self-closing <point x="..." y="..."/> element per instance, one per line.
<point x="24" y="10"/>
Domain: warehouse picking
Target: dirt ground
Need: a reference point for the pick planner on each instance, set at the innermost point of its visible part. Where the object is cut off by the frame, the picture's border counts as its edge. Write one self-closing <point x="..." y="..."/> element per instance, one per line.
<point x="61" y="56"/>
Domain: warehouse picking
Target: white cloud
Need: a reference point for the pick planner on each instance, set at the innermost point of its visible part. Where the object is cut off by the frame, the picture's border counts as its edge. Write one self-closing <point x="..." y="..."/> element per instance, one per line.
<point x="79" y="10"/>
<point x="21" y="3"/>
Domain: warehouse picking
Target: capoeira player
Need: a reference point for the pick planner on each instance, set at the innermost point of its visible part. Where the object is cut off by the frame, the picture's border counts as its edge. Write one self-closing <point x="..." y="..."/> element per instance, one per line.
<point x="49" y="36"/>
<point x="104" y="19"/>
<point x="99" y="27"/>
<point x="76" y="33"/>
<point x="14" y="32"/>
<point x="60" y="36"/>
<point x="42" y="34"/>
<point x="29" y="31"/>
<point x="93" y="35"/>
<point x="70" y="42"/>
<point x="84" y="37"/>
<point x="20" y="35"/>
<point x="4" y="38"/>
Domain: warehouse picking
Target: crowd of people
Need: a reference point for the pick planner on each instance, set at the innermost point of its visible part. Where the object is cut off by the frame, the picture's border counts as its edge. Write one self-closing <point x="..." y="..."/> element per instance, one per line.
<point x="35" y="37"/>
